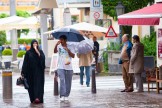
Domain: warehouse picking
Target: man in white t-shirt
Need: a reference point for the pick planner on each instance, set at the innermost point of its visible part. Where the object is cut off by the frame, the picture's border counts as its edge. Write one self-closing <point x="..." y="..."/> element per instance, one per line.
<point x="64" y="66"/>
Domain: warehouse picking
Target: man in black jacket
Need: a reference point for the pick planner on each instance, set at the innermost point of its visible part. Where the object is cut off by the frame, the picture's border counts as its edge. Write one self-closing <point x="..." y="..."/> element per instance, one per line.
<point x="96" y="51"/>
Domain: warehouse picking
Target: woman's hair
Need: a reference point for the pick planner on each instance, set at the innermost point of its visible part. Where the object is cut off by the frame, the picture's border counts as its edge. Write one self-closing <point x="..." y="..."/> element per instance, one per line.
<point x="63" y="37"/>
<point x="136" y="37"/>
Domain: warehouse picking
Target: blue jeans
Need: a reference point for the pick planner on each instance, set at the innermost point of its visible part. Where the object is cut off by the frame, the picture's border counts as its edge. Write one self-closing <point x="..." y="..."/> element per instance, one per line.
<point x="65" y="81"/>
<point x="87" y="72"/>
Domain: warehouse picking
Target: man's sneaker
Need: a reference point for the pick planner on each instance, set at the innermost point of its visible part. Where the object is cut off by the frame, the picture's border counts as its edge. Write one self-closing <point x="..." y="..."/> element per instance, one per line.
<point x="62" y="99"/>
<point x="66" y="99"/>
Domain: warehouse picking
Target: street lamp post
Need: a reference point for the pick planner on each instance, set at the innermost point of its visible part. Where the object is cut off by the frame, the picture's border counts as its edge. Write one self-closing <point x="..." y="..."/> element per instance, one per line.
<point x="120" y="9"/>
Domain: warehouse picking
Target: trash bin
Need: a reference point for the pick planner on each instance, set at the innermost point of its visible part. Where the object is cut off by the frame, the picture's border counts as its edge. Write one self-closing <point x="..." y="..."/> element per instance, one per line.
<point x="7" y="84"/>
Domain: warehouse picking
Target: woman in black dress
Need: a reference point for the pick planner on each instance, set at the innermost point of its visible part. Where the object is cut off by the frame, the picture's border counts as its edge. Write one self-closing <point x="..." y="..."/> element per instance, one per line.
<point x="33" y="70"/>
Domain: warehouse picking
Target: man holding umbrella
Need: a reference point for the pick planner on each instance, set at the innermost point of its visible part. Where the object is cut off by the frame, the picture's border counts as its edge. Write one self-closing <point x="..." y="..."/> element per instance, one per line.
<point x="64" y="66"/>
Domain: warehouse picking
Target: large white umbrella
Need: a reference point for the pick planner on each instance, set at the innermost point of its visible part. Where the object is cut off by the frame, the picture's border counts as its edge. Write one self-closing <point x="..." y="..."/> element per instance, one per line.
<point x="6" y="22"/>
<point x="15" y="22"/>
<point x="28" y="23"/>
<point x="87" y="29"/>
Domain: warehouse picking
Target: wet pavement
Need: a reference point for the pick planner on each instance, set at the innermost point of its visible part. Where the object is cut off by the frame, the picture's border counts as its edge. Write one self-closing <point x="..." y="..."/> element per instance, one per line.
<point x="108" y="95"/>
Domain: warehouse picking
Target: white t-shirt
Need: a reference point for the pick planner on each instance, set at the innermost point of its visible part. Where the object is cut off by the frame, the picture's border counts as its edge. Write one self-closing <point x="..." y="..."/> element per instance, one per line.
<point x="63" y="57"/>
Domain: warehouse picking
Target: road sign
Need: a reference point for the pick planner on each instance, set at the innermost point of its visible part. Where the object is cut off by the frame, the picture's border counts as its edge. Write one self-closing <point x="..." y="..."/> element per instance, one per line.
<point x="111" y="33"/>
<point x="96" y="3"/>
<point x="96" y="15"/>
<point x="96" y="9"/>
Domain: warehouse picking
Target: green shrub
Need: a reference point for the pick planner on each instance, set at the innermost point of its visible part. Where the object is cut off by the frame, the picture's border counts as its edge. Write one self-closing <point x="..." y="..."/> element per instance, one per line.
<point x="27" y="41"/>
<point x="21" y="53"/>
<point x="4" y="15"/>
<point x="2" y="38"/>
<point x="114" y="46"/>
<point x="105" y="60"/>
<point x="8" y="42"/>
<point x="149" y="43"/>
<point x="7" y="52"/>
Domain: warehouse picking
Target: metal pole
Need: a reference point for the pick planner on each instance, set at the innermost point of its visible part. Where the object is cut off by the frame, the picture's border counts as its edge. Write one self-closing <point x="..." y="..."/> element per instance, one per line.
<point x="52" y="19"/>
<point x="0" y="57"/>
<point x="44" y="41"/>
<point x="120" y="34"/>
<point x="56" y="84"/>
<point x="93" y="89"/>
<point x="13" y="33"/>
<point x="7" y="84"/>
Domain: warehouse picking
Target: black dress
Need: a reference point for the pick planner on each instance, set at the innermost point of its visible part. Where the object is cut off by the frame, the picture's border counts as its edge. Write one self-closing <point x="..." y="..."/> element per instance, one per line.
<point x="33" y="71"/>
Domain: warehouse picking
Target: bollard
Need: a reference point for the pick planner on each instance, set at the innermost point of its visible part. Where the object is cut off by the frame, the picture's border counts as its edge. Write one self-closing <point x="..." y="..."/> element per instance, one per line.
<point x="93" y="89"/>
<point x="56" y="84"/>
<point x="7" y="84"/>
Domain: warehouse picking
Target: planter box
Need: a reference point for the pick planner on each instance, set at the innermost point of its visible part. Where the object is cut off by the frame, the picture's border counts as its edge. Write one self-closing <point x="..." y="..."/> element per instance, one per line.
<point x="113" y="58"/>
<point x="7" y="61"/>
<point x="20" y="58"/>
<point x="6" y="58"/>
<point x="20" y="62"/>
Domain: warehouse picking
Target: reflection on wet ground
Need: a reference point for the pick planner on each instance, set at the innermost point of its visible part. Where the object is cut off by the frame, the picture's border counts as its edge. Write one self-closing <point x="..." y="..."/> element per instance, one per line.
<point x="108" y="96"/>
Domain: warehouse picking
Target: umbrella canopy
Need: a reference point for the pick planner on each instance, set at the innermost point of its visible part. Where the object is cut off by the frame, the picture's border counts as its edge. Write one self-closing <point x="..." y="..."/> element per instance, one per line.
<point x="146" y="16"/>
<point x="27" y="23"/>
<point x="6" y="22"/>
<point x="85" y="46"/>
<point x="72" y="34"/>
<point x="15" y="22"/>
<point x="90" y="30"/>
<point x="47" y="4"/>
<point x="87" y="29"/>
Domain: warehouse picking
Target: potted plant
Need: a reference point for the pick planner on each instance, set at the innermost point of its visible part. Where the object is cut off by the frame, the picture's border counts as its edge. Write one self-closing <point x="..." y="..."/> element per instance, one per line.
<point x="7" y="57"/>
<point x="20" y="58"/>
<point x="20" y="54"/>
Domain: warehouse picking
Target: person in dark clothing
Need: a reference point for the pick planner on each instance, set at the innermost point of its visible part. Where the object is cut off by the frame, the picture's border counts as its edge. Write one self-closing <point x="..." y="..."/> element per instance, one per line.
<point x="95" y="51"/>
<point x="33" y="70"/>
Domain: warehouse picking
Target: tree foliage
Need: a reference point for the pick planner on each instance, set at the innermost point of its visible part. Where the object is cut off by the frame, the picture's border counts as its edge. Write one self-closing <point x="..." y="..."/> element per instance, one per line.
<point x="3" y="15"/>
<point x="149" y="43"/>
<point x="2" y="38"/>
<point x="130" y="5"/>
<point x="3" y="33"/>
<point x="24" y="14"/>
<point x="21" y="13"/>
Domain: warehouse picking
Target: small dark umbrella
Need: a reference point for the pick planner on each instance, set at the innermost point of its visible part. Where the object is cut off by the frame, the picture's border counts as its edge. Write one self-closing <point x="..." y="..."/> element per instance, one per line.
<point x="72" y="34"/>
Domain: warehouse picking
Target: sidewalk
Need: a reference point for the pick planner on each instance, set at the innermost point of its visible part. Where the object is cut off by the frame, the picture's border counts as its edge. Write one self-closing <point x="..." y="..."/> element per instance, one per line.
<point x="108" y="95"/>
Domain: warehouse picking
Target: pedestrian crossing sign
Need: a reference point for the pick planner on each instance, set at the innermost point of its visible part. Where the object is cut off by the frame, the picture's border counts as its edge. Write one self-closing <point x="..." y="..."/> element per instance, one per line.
<point x="111" y="33"/>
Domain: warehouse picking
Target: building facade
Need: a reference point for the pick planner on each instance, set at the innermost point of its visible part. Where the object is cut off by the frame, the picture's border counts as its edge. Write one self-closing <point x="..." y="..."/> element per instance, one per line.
<point x="26" y="5"/>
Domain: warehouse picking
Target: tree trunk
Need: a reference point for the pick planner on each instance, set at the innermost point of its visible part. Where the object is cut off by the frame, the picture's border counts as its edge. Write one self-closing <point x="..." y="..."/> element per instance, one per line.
<point x="18" y="33"/>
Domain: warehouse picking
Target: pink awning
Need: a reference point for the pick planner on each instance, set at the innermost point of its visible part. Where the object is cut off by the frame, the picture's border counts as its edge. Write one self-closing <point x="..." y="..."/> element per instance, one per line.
<point x="146" y="16"/>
